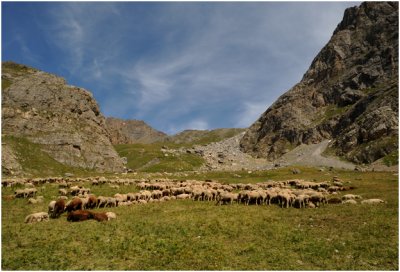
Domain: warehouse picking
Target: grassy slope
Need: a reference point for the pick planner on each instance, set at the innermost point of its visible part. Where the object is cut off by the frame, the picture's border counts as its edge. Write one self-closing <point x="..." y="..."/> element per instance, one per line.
<point x="202" y="137"/>
<point x="142" y="156"/>
<point x="37" y="163"/>
<point x="187" y="235"/>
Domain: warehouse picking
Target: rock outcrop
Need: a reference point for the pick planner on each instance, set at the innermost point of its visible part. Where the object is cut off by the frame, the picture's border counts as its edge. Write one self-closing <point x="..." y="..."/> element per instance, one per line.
<point x="65" y="120"/>
<point x="348" y="95"/>
<point x="132" y="131"/>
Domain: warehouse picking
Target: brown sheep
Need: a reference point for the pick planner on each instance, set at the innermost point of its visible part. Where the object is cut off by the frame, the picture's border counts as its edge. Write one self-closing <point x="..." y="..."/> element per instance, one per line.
<point x="75" y="204"/>
<point x="101" y="216"/>
<point x="59" y="208"/>
<point x="92" y="202"/>
<point x="81" y="215"/>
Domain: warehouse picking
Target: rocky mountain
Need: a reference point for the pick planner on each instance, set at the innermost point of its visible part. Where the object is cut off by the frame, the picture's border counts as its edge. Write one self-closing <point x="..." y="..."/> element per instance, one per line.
<point x="132" y="131"/>
<point x="65" y="121"/>
<point x="349" y="95"/>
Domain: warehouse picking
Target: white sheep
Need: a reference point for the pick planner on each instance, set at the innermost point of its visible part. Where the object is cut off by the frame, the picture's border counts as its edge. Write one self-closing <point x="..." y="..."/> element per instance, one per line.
<point x="37" y="217"/>
<point x="51" y="206"/>
<point x="373" y="201"/>
<point x="349" y="201"/>
<point x="111" y="215"/>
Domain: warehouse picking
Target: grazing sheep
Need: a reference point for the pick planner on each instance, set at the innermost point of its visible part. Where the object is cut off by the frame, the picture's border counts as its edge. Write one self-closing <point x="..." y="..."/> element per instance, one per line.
<point x="74" y="204"/>
<point x="101" y="201"/>
<point x="111" y="202"/>
<point x="351" y="196"/>
<point x="25" y="193"/>
<point x="145" y="195"/>
<point x="74" y="190"/>
<point x="62" y="192"/>
<point x="37" y="217"/>
<point x="76" y="216"/>
<point x="373" y="201"/>
<point x="317" y="198"/>
<point x="226" y="198"/>
<point x="63" y="197"/>
<point x="51" y="207"/>
<point x="300" y="201"/>
<point x="92" y="202"/>
<point x="59" y="207"/>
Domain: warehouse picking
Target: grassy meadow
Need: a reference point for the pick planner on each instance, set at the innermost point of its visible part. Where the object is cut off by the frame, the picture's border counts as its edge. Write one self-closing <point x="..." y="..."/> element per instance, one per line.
<point x="191" y="235"/>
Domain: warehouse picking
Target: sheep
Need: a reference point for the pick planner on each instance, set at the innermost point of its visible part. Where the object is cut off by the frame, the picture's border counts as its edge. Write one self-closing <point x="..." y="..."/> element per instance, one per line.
<point x="285" y="199"/>
<point x="156" y="194"/>
<point x="197" y="194"/>
<point x="373" y="201"/>
<point x="101" y="216"/>
<point x="334" y="200"/>
<point x="59" y="207"/>
<point x="76" y="216"/>
<point x="74" y="204"/>
<point x="101" y="201"/>
<point x="74" y="190"/>
<point x="250" y="196"/>
<point x="349" y="201"/>
<point x="226" y="198"/>
<point x="37" y="217"/>
<point x="32" y="201"/>
<point x="111" y="215"/>
<point x="51" y="207"/>
<point x="92" y="202"/>
<point x="351" y="196"/>
<point x="183" y="196"/>
<point x="111" y="202"/>
<point x="317" y="198"/>
<point x="24" y="193"/>
<point x="300" y="201"/>
<point x="62" y="192"/>
<point x="85" y="201"/>
<point x="145" y="195"/>
<point x="310" y="205"/>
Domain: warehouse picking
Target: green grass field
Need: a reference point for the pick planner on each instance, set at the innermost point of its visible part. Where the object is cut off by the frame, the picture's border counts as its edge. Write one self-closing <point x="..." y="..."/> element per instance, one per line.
<point x="188" y="235"/>
<point x="149" y="158"/>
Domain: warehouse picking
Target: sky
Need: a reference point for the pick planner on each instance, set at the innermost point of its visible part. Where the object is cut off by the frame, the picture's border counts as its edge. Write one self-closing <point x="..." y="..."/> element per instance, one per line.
<point x="175" y="65"/>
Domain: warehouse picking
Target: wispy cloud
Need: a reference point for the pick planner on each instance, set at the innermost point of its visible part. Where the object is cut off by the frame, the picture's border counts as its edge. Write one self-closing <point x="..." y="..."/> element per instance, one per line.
<point x="186" y="65"/>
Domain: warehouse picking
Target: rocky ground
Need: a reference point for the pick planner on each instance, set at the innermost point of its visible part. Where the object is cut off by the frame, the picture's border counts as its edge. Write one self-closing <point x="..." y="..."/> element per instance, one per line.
<point x="227" y="156"/>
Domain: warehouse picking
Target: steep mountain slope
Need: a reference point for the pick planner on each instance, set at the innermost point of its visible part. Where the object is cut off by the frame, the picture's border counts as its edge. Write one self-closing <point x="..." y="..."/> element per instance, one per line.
<point x="349" y="94"/>
<point x="192" y="136"/>
<point x="132" y="131"/>
<point x="64" y="120"/>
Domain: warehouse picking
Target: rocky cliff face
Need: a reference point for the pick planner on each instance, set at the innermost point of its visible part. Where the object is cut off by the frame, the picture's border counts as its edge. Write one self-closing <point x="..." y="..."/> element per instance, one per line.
<point x="349" y="94"/>
<point x="65" y="120"/>
<point x="132" y="131"/>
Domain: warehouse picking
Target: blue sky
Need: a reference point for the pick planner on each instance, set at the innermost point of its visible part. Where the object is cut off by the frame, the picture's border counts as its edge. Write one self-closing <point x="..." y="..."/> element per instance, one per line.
<point x="175" y="65"/>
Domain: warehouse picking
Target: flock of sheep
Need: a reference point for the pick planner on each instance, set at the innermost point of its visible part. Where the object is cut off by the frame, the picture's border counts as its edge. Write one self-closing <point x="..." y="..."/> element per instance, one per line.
<point x="291" y="193"/>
